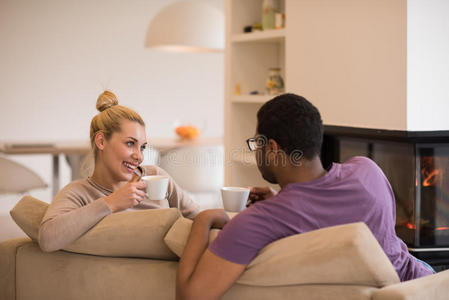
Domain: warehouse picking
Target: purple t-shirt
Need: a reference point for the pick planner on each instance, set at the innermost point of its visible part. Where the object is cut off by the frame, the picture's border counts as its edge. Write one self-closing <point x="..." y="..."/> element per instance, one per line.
<point x="355" y="191"/>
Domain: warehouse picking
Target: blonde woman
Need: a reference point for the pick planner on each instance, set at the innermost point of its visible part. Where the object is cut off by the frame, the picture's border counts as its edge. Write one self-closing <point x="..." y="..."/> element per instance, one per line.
<point x="118" y="139"/>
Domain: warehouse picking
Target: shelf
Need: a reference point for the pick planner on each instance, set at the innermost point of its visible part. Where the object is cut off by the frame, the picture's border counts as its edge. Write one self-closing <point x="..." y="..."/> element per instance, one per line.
<point x="260" y="99"/>
<point x="274" y="35"/>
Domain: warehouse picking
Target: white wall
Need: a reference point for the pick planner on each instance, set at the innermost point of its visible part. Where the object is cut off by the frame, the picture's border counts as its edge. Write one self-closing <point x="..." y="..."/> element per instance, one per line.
<point x="56" y="56"/>
<point x="427" y="65"/>
<point x="348" y="57"/>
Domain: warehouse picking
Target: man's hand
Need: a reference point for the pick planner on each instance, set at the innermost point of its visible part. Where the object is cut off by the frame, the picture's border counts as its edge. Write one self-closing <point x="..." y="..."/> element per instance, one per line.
<point x="214" y="218"/>
<point x="202" y="274"/>
<point x="259" y="194"/>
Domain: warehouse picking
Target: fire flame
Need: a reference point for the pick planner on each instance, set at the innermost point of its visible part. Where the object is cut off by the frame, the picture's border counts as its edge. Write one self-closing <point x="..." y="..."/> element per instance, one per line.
<point x="428" y="171"/>
<point x="442" y="228"/>
<point x="413" y="226"/>
<point x="431" y="178"/>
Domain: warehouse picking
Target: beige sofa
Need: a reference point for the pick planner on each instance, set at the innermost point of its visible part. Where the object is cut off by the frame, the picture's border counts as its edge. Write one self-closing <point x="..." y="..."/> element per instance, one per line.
<point x="133" y="255"/>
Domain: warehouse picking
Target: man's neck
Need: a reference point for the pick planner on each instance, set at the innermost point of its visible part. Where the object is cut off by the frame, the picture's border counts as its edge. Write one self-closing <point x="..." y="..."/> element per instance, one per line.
<point x="309" y="170"/>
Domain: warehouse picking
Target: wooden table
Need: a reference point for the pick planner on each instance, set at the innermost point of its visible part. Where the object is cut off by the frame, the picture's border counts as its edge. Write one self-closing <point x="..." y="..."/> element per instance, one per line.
<point x="75" y="151"/>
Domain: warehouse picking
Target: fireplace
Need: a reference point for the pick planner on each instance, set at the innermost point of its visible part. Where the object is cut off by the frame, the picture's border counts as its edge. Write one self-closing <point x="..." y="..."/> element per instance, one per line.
<point x="417" y="166"/>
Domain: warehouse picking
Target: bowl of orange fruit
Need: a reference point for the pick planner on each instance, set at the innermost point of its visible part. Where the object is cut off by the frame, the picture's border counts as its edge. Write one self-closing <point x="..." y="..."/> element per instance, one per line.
<point x="187" y="132"/>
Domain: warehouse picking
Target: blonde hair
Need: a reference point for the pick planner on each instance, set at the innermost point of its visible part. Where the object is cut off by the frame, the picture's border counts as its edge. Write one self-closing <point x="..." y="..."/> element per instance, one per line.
<point x="110" y="117"/>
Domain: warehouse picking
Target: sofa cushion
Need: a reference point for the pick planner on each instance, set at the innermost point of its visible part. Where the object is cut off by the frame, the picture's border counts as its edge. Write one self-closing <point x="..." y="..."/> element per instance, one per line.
<point x="432" y="287"/>
<point x="344" y="254"/>
<point x="136" y="233"/>
<point x="68" y="276"/>
<point x="8" y="267"/>
<point x="129" y="234"/>
<point x="176" y="237"/>
<point x="28" y="214"/>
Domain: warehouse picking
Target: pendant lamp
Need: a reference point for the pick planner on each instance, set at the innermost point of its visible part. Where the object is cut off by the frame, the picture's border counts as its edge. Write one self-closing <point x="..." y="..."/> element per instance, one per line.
<point x="187" y="26"/>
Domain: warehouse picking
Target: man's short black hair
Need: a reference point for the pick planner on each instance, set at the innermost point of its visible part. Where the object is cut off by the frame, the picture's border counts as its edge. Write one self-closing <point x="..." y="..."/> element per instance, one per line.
<point x="293" y="122"/>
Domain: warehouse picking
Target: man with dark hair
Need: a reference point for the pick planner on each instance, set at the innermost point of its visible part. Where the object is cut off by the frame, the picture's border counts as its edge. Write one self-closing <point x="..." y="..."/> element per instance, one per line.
<point x="293" y="122"/>
<point x="287" y="146"/>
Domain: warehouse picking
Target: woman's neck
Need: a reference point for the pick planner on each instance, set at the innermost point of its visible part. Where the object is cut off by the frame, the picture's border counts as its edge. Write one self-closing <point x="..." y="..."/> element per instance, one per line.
<point x="102" y="177"/>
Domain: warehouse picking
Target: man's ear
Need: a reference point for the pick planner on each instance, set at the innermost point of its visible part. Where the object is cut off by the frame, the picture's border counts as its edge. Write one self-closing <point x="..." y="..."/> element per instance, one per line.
<point x="271" y="149"/>
<point x="273" y="146"/>
<point x="100" y="140"/>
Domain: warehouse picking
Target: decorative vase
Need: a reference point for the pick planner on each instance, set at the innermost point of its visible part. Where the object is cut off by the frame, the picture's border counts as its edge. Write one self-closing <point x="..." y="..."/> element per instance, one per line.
<point x="275" y="83"/>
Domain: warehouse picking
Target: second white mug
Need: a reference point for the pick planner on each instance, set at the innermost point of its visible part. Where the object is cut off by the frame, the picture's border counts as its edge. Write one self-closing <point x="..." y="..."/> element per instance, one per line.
<point x="234" y="198"/>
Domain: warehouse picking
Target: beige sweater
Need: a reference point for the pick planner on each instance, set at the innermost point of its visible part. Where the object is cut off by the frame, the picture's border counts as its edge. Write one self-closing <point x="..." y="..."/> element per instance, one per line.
<point x="80" y="205"/>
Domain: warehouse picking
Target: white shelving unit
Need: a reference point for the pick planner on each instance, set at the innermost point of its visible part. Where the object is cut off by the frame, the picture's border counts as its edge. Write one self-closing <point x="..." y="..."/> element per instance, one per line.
<point x="259" y="36"/>
<point x="248" y="58"/>
<point x="250" y="99"/>
<point x="333" y="54"/>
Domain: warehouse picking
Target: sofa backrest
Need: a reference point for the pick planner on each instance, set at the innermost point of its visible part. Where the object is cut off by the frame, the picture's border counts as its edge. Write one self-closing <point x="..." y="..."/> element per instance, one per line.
<point x="340" y="255"/>
<point x="345" y="254"/>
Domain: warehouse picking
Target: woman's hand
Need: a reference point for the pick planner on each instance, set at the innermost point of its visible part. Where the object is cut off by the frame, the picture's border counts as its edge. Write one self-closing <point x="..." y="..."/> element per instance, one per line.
<point x="129" y="195"/>
<point x="259" y="194"/>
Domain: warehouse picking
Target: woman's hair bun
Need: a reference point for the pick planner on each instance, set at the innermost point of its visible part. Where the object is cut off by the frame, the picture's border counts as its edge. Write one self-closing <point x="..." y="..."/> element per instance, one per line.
<point x="106" y="100"/>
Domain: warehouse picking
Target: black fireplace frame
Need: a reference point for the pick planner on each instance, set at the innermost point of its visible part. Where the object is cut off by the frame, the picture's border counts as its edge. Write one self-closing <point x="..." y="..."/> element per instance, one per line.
<point x="332" y="133"/>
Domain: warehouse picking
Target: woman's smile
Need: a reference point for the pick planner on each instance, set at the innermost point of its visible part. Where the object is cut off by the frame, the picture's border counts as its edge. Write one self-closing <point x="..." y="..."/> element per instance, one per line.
<point x="130" y="167"/>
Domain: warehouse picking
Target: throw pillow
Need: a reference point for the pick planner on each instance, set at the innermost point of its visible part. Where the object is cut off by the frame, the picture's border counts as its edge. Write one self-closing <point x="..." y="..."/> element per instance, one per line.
<point x="28" y="214"/>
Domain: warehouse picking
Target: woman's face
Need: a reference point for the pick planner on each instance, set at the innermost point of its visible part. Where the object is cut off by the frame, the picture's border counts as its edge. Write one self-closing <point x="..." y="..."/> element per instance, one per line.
<point x="123" y="152"/>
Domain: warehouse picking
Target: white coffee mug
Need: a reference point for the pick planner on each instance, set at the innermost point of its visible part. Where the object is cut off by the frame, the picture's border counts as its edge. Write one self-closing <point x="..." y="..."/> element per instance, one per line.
<point x="234" y="198"/>
<point x="156" y="186"/>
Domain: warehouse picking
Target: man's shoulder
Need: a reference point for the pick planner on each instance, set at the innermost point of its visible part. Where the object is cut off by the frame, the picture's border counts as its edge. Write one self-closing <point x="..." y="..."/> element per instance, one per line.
<point x="363" y="170"/>
<point x="367" y="172"/>
<point x="361" y="163"/>
<point x="360" y="160"/>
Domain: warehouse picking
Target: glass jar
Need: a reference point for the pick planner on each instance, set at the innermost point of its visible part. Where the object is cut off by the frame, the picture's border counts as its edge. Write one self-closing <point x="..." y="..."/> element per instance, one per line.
<point x="268" y="14"/>
<point x="275" y="83"/>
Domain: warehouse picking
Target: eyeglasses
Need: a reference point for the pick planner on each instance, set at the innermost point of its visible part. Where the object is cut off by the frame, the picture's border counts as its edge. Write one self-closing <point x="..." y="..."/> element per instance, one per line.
<point x="256" y="142"/>
<point x="252" y="144"/>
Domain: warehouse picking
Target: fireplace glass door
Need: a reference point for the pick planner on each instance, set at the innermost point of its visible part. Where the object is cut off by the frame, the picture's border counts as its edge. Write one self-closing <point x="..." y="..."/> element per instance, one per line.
<point x="419" y="176"/>
<point x="433" y="195"/>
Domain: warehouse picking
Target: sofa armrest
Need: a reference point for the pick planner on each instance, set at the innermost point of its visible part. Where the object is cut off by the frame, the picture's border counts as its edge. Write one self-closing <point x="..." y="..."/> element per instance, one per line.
<point x="8" y="250"/>
<point x="433" y="287"/>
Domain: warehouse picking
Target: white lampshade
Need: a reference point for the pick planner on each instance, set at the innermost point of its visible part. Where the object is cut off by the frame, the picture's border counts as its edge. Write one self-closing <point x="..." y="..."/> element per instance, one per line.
<point x="187" y="26"/>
